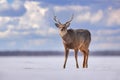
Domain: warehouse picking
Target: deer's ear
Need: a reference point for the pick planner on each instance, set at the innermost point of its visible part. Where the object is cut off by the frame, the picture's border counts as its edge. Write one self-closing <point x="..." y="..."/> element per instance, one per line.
<point x="57" y="25"/>
<point x="67" y="24"/>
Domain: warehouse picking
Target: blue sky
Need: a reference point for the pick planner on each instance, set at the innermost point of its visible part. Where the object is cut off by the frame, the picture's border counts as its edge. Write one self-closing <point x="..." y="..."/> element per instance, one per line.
<point x="29" y="25"/>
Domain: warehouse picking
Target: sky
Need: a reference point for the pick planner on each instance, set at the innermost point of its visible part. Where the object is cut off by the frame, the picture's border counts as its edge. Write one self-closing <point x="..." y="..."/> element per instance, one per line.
<point x="29" y="25"/>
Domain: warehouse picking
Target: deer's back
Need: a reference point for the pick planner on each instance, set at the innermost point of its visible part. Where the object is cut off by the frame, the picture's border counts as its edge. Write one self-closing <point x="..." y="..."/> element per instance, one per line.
<point x="82" y="34"/>
<point x="78" y="37"/>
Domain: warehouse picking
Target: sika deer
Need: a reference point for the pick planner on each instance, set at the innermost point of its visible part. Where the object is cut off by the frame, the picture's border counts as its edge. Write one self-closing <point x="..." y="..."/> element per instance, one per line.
<point x="78" y="39"/>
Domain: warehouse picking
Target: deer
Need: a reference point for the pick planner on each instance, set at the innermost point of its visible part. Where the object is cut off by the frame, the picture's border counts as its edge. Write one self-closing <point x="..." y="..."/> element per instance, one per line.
<point x="76" y="39"/>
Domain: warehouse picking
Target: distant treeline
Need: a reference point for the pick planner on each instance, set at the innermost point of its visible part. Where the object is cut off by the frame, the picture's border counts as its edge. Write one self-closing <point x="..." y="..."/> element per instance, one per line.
<point x="55" y="53"/>
<point x="105" y="53"/>
<point x="29" y="53"/>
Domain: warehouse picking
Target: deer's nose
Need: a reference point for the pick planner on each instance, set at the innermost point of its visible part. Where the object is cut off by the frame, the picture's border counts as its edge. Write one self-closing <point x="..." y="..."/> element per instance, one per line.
<point x="62" y="29"/>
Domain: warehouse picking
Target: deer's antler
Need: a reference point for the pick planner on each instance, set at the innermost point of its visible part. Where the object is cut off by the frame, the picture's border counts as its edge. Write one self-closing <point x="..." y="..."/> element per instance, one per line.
<point x="70" y="19"/>
<point x="56" y="20"/>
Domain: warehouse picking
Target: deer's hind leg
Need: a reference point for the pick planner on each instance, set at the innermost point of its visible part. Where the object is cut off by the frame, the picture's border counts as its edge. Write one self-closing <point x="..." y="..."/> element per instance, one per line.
<point x="85" y="52"/>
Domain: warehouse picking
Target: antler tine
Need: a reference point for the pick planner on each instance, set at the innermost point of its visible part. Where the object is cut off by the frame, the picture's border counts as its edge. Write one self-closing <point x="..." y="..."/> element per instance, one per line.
<point x="56" y="19"/>
<point x="70" y="19"/>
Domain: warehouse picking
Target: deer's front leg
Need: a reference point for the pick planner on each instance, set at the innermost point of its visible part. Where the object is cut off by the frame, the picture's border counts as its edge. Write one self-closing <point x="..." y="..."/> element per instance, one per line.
<point x="76" y="58"/>
<point x="66" y="56"/>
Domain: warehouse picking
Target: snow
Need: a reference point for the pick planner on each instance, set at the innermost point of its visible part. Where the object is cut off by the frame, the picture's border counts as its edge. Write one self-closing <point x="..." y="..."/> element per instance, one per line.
<point x="50" y="68"/>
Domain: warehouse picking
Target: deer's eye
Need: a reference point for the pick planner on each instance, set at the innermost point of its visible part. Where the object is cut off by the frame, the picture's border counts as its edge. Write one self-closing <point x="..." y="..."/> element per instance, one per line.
<point x="63" y="29"/>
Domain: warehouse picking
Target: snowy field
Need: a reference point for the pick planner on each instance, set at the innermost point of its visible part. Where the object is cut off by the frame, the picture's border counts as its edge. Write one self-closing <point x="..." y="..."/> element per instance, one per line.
<point x="50" y="68"/>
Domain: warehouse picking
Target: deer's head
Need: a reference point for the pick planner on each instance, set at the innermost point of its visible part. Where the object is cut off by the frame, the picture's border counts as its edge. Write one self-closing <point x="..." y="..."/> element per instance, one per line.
<point x="62" y="27"/>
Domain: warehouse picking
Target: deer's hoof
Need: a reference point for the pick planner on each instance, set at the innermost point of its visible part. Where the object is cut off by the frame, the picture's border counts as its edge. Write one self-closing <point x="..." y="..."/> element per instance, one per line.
<point x="86" y="66"/>
<point x="64" y="67"/>
<point x="77" y="66"/>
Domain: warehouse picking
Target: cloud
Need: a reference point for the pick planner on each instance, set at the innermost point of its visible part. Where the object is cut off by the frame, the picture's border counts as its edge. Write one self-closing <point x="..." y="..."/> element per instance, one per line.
<point x="37" y="42"/>
<point x="34" y="21"/>
<point x="71" y="8"/>
<point x="82" y="13"/>
<point x="12" y="10"/>
<point x="4" y="5"/>
<point x="4" y="20"/>
<point x="52" y="31"/>
<point x="113" y="17"/>
<point x="33" y="26"/>
<point x="108" y="16"/>
<point x="107" y="32"/>
<point x="90" y="17"/>
<point x="46" y="32"/>
<point x="12" y="33"/>
<point x="106" y="46"/>
<point x="108" y="35"/>
<point x="34" y="17"/>
<point x="105" y="39"/>
<point x="12" y="43"/>
<point x="8" y="32"/>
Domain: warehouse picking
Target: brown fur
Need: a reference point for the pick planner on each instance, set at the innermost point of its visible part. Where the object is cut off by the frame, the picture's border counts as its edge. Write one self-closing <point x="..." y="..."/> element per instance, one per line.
<point x="78" y="39"/>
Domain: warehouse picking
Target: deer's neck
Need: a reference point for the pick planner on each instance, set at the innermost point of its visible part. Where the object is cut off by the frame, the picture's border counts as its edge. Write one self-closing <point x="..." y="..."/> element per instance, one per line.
<point x="66" y="37"/>
<point x="63" y="33"/>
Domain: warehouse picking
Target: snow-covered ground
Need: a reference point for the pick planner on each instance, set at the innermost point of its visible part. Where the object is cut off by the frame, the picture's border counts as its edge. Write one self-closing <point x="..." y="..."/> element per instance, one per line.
<point x="50" y="68"/>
